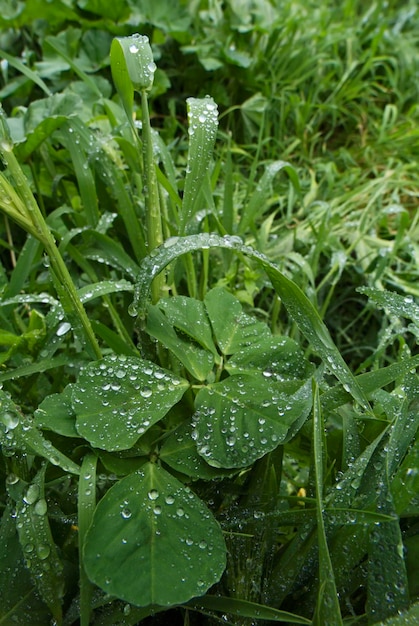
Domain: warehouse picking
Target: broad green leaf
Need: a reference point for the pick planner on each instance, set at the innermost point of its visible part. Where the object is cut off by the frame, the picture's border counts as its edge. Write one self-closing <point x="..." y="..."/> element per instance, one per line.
<point x="19" y="433"/>
<point x="39" y="550"/>
<point x="153" y="541"/>
<point x="234" y="330"/>
<point x="117" y="399"/>
<point x="198" y="361"/>
<point x="180" y="453"/>
<point x="298" y="305"/>
<point x="189" y="316"/>
<point x="242" y="418"/>
<point x="279" y="357"/>
<point x="20" y="603"/>
<point x="56" y="413"/>
<point x="203" y="124"/>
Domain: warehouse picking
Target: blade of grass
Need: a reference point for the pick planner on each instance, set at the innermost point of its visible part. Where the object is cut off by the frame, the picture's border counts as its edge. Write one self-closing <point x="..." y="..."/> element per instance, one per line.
<point x="327" y="612"/>
<point x="86" y="507"/>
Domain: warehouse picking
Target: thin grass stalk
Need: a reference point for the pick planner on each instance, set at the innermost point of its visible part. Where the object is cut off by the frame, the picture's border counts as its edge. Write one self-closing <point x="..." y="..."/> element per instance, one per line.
<point x="27" y="214"/>
<point x="151" y="192"/>
<point x="86" y="506"/>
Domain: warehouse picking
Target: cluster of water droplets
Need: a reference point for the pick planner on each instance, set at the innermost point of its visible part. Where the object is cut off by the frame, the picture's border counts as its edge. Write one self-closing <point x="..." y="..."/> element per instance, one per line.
<point x="119" y="398"/>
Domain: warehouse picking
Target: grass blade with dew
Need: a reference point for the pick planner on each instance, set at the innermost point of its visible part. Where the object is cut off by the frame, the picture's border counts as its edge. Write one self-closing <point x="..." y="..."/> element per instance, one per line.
<point x="327" y="611"/>
<point x="86" y="507"/>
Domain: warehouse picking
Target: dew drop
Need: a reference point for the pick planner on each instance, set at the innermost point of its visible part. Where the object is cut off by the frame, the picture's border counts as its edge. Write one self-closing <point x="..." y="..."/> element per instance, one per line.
<point x="153" y="494"/>
<point x="126" y="513"/>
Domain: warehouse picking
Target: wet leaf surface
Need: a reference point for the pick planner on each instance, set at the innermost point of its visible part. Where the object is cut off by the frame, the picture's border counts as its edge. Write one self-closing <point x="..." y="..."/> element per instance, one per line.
<point x="117" y="399"/>
<point x="153" y="541"/>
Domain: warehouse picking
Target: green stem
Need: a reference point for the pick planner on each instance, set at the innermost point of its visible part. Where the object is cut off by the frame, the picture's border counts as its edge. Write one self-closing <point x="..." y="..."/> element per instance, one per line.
<point x="151" y="192"/>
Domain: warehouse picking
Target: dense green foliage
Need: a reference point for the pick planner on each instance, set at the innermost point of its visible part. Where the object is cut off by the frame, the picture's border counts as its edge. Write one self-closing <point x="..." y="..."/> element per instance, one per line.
<point x="208" y="316"/>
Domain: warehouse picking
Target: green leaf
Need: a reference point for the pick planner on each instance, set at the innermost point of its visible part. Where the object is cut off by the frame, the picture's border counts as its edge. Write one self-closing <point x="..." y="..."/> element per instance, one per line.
<point x="327" y="611"/>
<point x="180" y="453"/>
<point x="198" y="361"/>
<point x="189" y="316"/>
<point x="115" y="11"/>
<point x="203" y="124"/>
<point x="233" y="329"/>
<point x="298" y="305"/>
<point x="406" y="618"/>
<point x="18" y="433"/>
<point x="387" y="576"/>
<point x="56" y="413"/>
<point x="117" y="399"/>
<point x="279" y="357"/>
<point x="26" y="71"/>
<point x="244" y="608"/>
<point x="240" y="419"/>
<point x="401" y="306"/>
<point x="132" y="67"/>
<point x="20" y="604"/>
<point x="153" y="541"/>
<point x="43" y="117"/>
<point x="40" y="552"/>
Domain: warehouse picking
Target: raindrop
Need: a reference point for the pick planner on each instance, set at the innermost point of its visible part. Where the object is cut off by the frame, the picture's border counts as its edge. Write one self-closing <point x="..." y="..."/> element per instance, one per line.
<point x="146" y="392"/>
<point x="32" y="494"/>
<point x="126" y="513"/>
<point x="10" y="420"/>
<point x="41" y="507"/>
<point x="157" y="510"/>
<point x="180" y="512"/>
<point x="63" y="329"/>
<point x="153" y="494"/>
<point x="169" y="499"/>
<point x="43" y="551"/>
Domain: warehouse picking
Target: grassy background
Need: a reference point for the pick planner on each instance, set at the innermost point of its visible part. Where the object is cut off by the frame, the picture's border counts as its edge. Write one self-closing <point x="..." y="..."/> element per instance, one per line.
<point x="331" y="88"/>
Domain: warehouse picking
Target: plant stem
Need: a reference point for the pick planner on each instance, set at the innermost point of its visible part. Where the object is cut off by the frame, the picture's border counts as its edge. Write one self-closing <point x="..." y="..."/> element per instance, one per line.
<point x="28" y="215"/>
<point x="151" y="193"/>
